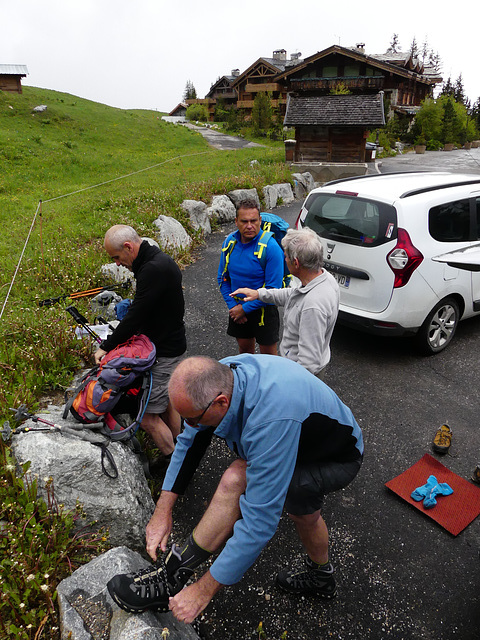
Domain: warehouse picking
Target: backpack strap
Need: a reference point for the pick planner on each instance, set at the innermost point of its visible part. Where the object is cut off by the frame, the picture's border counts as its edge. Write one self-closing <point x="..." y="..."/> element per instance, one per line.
<point x="129" y="432"/>
<point x="227" y="250"/>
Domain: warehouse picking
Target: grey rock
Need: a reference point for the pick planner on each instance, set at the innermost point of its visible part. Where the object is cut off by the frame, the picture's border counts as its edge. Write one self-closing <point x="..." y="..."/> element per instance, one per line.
<point x="222" y="209"/>
<point x="198" y="215"/>
<point x="237" y="195"/>
<point x="171" y="234"/>
<point x="87" y="611"/>
<point x="119" y="274"/>
<point x="299" y="187"/>
<point x="285" y="192"/>
<point x="40" y="108"/>
<point x="270" y="196"/>
<point x="309" y="181"/>
<point x="124" y="505"/>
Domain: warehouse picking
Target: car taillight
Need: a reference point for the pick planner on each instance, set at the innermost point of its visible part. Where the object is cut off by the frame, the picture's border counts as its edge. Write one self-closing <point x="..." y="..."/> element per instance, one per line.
<point x="403" y="259"/>
<point x="298" y="220"/>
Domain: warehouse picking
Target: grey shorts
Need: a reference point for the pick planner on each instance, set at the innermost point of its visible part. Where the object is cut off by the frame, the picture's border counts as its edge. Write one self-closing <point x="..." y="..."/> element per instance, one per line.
<point x="311" y="481"/>
<point x="161" y="372"/>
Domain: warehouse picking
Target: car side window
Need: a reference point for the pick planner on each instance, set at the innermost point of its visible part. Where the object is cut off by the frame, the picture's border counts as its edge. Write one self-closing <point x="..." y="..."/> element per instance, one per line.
<point x="450" y="222"/>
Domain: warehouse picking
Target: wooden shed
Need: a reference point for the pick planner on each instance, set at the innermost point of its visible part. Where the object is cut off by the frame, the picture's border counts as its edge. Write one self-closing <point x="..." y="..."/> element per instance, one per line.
<point x="333" y="128"/>
<point x="11" y="77"/>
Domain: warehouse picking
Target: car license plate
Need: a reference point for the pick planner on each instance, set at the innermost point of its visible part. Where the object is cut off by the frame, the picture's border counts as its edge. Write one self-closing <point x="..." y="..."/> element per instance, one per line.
<point x="343" y="281"/>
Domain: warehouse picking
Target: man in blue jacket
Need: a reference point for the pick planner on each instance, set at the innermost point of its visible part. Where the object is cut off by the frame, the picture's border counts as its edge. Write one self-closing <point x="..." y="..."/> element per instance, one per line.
<point x="251" y="258"/>
<point x="295" y="440"/>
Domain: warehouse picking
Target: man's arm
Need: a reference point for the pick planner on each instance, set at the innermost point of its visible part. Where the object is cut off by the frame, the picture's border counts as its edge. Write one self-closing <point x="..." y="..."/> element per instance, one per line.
<point x="192" y="600"/>
<point x="160" y="525"/>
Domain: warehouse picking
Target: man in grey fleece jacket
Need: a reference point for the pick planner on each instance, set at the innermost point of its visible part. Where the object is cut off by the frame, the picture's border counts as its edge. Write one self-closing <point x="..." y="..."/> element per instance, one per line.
<point x="310" y="309"/>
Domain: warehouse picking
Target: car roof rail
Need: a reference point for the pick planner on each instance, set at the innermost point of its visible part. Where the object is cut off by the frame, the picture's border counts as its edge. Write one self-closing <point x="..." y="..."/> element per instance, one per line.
<point x="372" y="175"/>
<point x="436" y="187"/>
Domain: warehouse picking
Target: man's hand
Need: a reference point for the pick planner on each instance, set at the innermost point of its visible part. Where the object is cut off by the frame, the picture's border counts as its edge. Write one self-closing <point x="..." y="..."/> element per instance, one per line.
<point x="192" y="600"/>
<point x="237" y="314"/>
<point x="160" y="525"/>
<point x="249" y="294"/>
<point x="98" y="355"/>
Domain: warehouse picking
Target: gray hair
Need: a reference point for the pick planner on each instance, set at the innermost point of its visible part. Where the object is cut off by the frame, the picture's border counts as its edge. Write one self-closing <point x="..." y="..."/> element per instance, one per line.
<point x="202" y="379"/>
<point x="121" y="233"/>
<point x="305" y="246"/>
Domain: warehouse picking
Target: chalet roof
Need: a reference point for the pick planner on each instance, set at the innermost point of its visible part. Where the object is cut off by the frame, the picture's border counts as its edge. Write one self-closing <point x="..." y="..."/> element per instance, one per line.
<point x="374" y="60"/>
<point x="342" y="111"/>
<point x="180" y="105"/>
<point x="13" y="70"/>
<point x="277" y="66"/>
<point x="223" y="81"/>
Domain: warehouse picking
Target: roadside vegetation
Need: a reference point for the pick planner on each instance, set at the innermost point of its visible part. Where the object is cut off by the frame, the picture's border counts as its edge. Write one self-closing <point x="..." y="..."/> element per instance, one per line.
<point x="67" y="174"/>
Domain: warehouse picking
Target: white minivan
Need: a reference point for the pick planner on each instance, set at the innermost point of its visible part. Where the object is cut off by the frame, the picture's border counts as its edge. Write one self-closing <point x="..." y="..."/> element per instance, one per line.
<point x="381" y="234"/>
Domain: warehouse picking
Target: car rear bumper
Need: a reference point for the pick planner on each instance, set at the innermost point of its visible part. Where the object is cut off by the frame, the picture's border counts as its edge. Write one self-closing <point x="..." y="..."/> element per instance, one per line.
<point x="377" y="327"/>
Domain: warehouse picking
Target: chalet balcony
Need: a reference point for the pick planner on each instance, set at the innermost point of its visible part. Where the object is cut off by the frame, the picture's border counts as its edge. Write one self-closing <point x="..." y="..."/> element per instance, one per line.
<point x="360" y="82"/>
<point x="248" y="104"/>
<point x="227" y="95"/>
<point x="255" y="87"/>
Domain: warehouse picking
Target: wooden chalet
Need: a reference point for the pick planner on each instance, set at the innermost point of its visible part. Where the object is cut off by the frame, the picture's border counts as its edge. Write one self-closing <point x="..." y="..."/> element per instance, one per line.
<point x="333" y="128"/>
<point x="262" y="76"/>
<point x="11" y="77"/>
<point x="180" y="110"/>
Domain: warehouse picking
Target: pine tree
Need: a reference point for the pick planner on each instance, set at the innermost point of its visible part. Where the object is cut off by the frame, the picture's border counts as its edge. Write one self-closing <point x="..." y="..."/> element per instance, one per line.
<point x="414" y="48"/>
<point x="458" y="90"/>
<point x="394" y="44"/>
<point x="190" y="92"/>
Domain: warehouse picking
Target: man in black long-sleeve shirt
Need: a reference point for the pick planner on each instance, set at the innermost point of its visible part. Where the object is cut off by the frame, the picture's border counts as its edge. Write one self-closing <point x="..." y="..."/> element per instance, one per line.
<point x="156" y="311"/>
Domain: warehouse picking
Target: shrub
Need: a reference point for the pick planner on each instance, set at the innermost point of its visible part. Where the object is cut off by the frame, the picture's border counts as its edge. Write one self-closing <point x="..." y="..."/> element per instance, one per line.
<point x="197" y="112"/>
<point x="38" y="549"/>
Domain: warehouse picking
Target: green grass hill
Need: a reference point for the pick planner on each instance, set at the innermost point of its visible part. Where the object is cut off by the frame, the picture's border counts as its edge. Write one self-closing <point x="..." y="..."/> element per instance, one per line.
<point x="68" y="173"/>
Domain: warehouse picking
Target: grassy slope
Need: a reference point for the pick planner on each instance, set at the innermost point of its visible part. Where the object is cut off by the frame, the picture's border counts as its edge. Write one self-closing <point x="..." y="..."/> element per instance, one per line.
<point x="72" y="146"/>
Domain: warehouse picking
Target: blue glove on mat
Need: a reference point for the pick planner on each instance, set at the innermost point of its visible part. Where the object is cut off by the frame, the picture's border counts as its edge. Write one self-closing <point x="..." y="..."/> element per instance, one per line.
<point x="429" y="491"/>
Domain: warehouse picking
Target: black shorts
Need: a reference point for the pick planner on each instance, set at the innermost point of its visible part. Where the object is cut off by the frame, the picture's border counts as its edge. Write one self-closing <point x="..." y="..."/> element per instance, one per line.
<point x="311" y="481"/>
<point x="262" y="324"/>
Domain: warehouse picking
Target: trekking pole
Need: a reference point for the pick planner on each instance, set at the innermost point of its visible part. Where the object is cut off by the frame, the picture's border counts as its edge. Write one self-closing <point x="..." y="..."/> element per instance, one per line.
<point x="82" y="321"/>
<point x="48" y="302"/>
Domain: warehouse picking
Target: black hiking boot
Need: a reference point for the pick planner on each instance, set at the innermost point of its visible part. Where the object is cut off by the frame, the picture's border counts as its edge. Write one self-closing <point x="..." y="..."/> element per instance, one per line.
<point x="150" y="588"/>
<point x="309" y="580"/>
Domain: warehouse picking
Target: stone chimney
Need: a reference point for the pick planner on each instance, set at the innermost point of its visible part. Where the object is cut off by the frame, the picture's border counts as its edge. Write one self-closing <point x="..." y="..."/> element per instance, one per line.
<point x="360" y="47"/>
<point x="235" y="73"/>
<point x="280" y="54"/>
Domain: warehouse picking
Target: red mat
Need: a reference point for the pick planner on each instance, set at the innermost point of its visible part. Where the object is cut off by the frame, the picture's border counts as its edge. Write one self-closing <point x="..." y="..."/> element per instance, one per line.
<point x="454" y="512"/>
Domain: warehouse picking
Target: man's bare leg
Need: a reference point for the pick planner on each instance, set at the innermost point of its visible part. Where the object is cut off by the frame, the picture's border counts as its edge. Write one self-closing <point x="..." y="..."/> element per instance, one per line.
<point x="313" y="533"/>
<point x="223" y="511"/>
<point x="271" y="349"/>
<point x="246" y="345"/>
<point x="159" y="431"/>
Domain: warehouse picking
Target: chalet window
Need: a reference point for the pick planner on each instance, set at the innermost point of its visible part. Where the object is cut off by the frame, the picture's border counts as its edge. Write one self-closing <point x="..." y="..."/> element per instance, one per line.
<point x="351" y="70"/>
<point x="329" y="72"/>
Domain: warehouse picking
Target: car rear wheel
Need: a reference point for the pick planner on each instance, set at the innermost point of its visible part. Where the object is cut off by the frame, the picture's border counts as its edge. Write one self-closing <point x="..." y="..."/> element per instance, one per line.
<point x="437" y="331"/>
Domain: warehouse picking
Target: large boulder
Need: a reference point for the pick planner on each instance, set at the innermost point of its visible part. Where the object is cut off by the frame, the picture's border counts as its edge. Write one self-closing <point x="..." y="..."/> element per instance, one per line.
<point x="117" y="273"/>
<point x="303" y="184"/>
<point x="285" y="192"/>
<point x="198" y="215"/>
<point x="222" y="209"/>
<point x="237" y="195"/>
<point x="87" y="610"/>
<point x="124" y="505"/>
<point x="171" y="234"/>
<point x="270" y="196"/>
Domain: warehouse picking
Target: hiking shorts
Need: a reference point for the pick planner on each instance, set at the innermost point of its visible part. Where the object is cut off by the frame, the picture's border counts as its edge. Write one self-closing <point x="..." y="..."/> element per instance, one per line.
<point x="311" y="481"/>
<point x="161" y="372"/>
<point x="262" y="324"/>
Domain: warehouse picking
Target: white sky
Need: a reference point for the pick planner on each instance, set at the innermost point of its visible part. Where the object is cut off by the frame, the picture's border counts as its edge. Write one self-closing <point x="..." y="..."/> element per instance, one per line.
<point x="139" y="54"/>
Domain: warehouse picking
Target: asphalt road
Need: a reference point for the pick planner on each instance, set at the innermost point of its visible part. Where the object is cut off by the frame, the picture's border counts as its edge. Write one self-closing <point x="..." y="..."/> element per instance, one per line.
<point x="399" y="574"/>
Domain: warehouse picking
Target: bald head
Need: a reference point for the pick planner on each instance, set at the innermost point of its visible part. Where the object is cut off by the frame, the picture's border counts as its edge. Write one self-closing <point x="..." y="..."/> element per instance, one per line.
<point x="199" y="380"/>
<point x="122" y="244"/>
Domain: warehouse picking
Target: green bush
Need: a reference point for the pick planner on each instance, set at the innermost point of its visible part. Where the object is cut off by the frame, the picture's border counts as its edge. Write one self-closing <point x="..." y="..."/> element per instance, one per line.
<point x="197" y="113"/>
<point x="38" y="548"/>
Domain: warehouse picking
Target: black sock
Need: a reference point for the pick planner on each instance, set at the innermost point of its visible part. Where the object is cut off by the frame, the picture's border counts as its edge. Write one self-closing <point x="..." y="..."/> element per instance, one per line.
<point x="181" y="562"/>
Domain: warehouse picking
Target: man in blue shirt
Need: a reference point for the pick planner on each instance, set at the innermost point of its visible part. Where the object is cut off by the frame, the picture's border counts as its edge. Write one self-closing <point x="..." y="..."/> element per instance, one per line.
<point x="295" y="440"/>
<point x="251" y="258"/>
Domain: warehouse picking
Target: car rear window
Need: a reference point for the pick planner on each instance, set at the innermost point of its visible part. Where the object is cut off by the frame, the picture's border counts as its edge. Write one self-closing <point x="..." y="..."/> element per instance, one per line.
<point x="351" y="219"/>
<point x="450" y="222"/>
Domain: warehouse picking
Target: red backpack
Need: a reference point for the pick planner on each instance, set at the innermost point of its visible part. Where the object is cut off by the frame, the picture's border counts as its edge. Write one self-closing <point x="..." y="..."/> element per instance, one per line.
<point x="123" y="371"/>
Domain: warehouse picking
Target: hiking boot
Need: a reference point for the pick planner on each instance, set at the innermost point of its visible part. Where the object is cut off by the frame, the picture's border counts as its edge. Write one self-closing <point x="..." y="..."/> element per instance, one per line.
<point x="443" y="439"/>
<point x="150" y="588"/>
<point x="137" y="592"/>
<point x="311" y="579"/>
